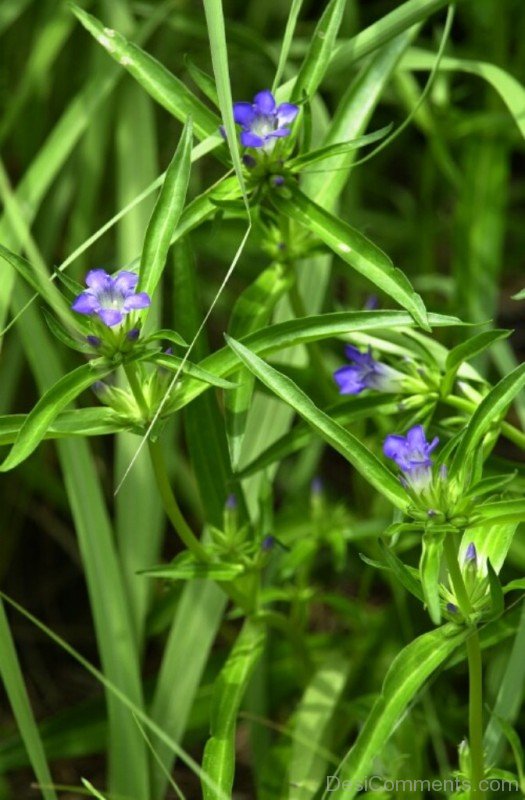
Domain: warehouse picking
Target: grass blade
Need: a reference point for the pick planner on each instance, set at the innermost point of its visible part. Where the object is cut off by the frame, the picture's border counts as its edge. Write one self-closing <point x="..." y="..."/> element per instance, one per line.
<point x="16" y="692"/>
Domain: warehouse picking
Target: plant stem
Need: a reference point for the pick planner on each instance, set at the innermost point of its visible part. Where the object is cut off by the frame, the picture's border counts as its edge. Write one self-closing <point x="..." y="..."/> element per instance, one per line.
<point x="136" y="388"/>
<point x="477" y="769"/>
<point x="185" y="533"/>
<point x="169" y="501"/>
<point x="171" y="506"/>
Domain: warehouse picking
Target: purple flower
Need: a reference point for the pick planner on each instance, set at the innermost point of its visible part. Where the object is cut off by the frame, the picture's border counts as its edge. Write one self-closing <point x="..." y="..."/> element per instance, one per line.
<point x="231" y="502"/>
<point x="110" y="298"/>
<point x="471" y="554"/>
<point x="366" y="373"/>
<point x="263" y="121"/>
<point x="412" y="454"/>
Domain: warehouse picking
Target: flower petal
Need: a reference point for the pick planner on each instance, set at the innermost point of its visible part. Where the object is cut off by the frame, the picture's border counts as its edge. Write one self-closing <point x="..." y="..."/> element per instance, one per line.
<point x="98" y="280"/>
<point x="110" y="316"/>
<point x="85" y="303"/>
<point x="354" y="354"/>
<point x="395" y="447"/>
<point x="349" y="380"/>
<point x="286" y="113"/>
<point x="264" y="102"/>
<point x="249" y="139"/>
<point x="126" y="281"/>
<point x="416" y="438"/>
<point x="279" y="133"/>
<point x="243" y="113"/>
<point x="135" y="301"/>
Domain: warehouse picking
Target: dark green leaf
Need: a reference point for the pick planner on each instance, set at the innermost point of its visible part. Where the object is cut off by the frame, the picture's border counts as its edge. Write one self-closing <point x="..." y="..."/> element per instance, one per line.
<point x="166" y="214"/>
<point x="343" y="441"/>
<point x="353" y="248"/>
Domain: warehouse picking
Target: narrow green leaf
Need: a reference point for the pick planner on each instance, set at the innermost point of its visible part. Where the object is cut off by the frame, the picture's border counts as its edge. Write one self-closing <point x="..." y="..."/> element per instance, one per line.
<point x="491" y="539"/>
<point x="301" y="331"/>
<point x="472" y="347"/>
<point x="164" y="87"/>
<point x="489" y="411"/>
<point x="291" y="22"/>
<point x="164" y="334"/>
<point x="121" y="698"/>
<point x="339" y="149"/>
<point x="402" y="572"/>
<point x="430" y="565"/>
<point x="40" y="283"/>
<point x="509" y="697"/>
<point x="15" y="688"/>
<point x="219" y="56"/>
<point x="340" y="439"/>
<point x="406" y="676"/>
<point x="173" y="363"/>
<point x="355" y="249"/>
<point x="252" y="310"/>
<point x="78" y="422"/>
<point x="496" y="592"/>
<point x="511" y="91"/>
<point x="500" y="511"/>
<point x="404" y="16"/>
<point x="197" y="619"/>
<point x="184" y="567"/>
<point x="229" y="689"/>
<point x="201" y="79"/>
<point x="349" y="410"/>
<point x="320" y="51"/>
<point x="311" y="725"/>
<point x="166" y="214"/>
<point x="60" y="333"/>
<point x="48" y="407"/>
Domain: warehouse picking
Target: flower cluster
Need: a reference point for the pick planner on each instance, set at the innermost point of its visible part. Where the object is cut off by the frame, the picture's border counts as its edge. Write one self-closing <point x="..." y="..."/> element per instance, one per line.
<point x="364" y="372"/>
<point x="412" y="453"/>
<point x="263" y="121"/>
<point x="109" y="302"/>
<point x="110" y="299"/>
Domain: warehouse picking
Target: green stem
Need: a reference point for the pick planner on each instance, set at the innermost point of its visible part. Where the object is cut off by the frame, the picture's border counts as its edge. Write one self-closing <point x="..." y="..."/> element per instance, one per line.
<point x="185" y="533"/>
<point x="169" y="501"/>
<point x="136" y="388"/>
<point x="509" y="431"/>
<point x="477" y="769"/>
<point x="171" y="506"/>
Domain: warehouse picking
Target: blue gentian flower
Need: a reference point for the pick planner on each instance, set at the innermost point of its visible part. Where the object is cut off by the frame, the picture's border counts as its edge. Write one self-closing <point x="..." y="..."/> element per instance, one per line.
<point x="263" y="121"/>
<point x="412" y="454"/>
<point x="110" y="298"/>
<point x="471" y="554"/>
<point x="366" y="373"/>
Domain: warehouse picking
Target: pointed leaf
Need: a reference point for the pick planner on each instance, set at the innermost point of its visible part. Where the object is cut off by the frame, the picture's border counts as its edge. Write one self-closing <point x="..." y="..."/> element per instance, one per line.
<point x="353" y="248"/>
<point x="429" y="569"/>
<point x="490" y="410"/>
<point x="331" y="150"/>
<point x="406" y="676"/>
<point x="341" y="440"/>
<point x="48" y="407"/>
<point x="166" y="214"/>
<point x="164" y="87"/>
